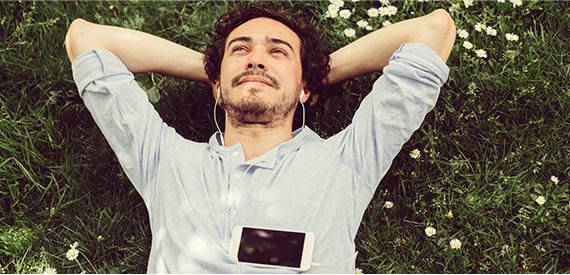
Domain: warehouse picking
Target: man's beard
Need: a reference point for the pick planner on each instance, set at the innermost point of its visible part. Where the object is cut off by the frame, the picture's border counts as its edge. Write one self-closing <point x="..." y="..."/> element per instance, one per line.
<point x="252" y="110"/>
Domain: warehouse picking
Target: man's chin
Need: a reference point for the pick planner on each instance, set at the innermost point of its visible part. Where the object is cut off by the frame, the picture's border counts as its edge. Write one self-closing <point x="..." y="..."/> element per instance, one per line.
<point x="256" y="90"/>
<point x="251" y="118"/>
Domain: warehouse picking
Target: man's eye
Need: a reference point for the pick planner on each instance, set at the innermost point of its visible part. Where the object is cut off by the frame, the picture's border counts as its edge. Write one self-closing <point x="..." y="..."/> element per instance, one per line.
<point x="279" y="51"/>
<point x="239" y="49"/>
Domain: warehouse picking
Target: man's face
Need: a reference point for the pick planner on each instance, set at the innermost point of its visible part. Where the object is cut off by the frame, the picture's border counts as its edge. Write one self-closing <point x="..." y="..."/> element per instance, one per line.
<point x="261" y="73"/>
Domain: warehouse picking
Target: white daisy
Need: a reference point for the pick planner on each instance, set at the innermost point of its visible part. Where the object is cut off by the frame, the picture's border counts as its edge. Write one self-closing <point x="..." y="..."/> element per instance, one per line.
<point x="430" y="231"/>
<point x="512" y="37"/>
<point x="50" y="270"/>
<point x="72" y="254"/>
<point x="373" y="12"/>
<point x="454" y="7"/>
<point x="490" y="31"/>
<point x="516" y="3"/>
<point x="479" y="27"/>
<point x="362" y="24"/>
<point x="455" y="244"/>
<point x="383" y="11"/>
<point x="481" y="53"/>
<point x="338" y="3"/>
<point x="415" y="154"/>
<point x="468" y="45"/>
<point x="332" y="11"/>
<point x="540" y="200"/>
<point x="391" y="10"/>
<point x="349" y="32"/>
<point x="344" y="14"/>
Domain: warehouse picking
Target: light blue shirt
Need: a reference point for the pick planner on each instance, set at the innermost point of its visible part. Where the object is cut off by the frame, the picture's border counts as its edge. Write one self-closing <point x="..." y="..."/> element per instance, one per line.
<point x="195" y="193"/>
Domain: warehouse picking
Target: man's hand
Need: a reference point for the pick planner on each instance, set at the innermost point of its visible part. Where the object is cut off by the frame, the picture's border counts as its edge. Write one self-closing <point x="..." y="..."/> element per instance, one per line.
<point x="141" y="52"/>
<point x="372" y="52"/>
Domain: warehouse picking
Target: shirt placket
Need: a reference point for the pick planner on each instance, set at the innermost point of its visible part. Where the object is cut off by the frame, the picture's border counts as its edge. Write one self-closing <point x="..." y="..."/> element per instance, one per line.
<point x="235" y="180"/>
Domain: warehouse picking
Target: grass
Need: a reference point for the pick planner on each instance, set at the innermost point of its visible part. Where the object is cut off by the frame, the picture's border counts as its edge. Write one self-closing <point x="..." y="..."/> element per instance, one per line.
<point x="498" y="133"/>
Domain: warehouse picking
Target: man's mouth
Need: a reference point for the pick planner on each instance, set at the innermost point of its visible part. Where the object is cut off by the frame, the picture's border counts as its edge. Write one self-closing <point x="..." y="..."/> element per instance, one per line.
<point x="255" y="79"/>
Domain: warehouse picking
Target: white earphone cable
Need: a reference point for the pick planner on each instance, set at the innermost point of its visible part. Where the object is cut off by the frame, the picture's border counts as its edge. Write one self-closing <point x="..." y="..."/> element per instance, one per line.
<point x="215" y="117"/>
<point x="302" y="106"/>
<point x="353" y="257"/>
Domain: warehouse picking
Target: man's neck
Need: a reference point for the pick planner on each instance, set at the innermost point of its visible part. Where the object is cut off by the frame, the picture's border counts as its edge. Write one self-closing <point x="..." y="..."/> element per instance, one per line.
<point x="256" y="139"/>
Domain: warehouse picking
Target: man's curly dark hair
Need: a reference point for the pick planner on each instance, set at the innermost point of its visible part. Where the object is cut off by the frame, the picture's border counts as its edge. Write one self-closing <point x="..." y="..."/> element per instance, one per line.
<point x="314" y="53"/>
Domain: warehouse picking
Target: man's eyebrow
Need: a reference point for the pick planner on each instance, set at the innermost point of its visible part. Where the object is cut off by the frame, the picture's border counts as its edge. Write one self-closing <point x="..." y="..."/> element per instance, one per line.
<point x="241" y="38"/>
<point x="267" y="39"/>
<point x="279" y="41"/>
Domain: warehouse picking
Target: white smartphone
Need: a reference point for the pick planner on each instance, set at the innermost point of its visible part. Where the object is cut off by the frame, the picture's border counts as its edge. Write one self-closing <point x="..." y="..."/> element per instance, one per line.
<point x="272" y="247"/>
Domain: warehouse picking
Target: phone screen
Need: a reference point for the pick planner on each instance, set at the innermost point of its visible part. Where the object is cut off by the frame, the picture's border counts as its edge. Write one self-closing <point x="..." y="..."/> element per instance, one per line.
<point x="271" y="247"/>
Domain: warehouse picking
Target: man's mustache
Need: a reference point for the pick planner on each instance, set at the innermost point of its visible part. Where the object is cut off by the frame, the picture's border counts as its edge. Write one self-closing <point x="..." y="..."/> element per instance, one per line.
<point x="236" y="79"/>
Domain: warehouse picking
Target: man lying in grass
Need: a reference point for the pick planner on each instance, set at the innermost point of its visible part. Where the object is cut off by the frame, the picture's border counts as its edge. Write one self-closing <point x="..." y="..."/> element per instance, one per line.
<point x="259" y="172"/>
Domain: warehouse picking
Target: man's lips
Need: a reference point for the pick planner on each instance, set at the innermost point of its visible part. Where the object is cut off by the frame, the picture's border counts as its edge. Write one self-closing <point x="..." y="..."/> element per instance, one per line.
<point x="257" y="79"/>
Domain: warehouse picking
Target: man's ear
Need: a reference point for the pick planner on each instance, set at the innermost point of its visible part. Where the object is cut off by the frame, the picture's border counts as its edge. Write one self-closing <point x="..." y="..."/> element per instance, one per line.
<point x="306" y="93"/>
<point x="215" y="86"/>
<point x="308" y="96"/>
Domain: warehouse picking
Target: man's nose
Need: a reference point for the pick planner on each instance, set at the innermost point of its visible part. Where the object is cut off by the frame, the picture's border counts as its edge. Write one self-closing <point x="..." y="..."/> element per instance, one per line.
<point x="252" y="65"/>
<point x="256" y="60"/>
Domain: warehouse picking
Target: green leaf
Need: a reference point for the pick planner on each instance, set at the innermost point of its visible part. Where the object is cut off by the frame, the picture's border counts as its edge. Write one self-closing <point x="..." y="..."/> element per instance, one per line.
<point x="153" y="95"/>
<point x="538" y="188"/>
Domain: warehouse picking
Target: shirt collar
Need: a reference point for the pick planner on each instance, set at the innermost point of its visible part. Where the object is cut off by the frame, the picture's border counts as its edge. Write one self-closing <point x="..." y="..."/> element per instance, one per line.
<point x="267" y="160"/>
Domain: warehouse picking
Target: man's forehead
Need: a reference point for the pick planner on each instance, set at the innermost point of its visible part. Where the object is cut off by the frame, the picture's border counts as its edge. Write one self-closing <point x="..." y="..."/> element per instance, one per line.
<point x="267" y="29"/>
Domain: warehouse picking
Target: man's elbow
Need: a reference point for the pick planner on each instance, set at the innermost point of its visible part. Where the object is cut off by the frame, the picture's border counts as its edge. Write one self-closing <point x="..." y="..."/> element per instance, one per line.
<point x="437" y="31"/>
<point x="74" y="37"/>
<point x="444" y="27"/>
<point x="442" y="21"/>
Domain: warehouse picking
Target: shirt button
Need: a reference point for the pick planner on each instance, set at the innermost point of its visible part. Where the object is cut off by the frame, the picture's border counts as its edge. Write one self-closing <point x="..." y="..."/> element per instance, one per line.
<point x="236" y="176"/>
<point x="233" y="211"/>
<point x="235" y="154"/>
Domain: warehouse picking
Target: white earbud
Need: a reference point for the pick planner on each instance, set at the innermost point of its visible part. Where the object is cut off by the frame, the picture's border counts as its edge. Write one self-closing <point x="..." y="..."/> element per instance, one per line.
<point x="219" y="91"/>
<point x="301" y="96"/>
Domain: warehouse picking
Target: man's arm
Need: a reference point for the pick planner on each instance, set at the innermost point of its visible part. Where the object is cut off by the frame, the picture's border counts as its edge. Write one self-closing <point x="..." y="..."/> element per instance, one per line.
<point x="371" y="52"/>
<point x="141" y="52"/>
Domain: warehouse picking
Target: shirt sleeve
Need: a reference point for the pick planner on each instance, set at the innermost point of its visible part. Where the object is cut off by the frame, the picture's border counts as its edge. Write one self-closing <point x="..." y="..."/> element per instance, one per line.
<point x="398" y="103"/>
<point x="121" y="109"/>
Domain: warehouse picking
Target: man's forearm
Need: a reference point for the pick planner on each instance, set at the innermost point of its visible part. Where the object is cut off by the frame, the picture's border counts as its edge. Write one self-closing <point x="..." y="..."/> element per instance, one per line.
<point x="141" y="52"/>
<point x="372" y="52"/>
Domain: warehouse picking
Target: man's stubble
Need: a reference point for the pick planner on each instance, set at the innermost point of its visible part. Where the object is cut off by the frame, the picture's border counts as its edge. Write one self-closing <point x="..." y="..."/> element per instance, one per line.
<point x="252" y="110"/>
